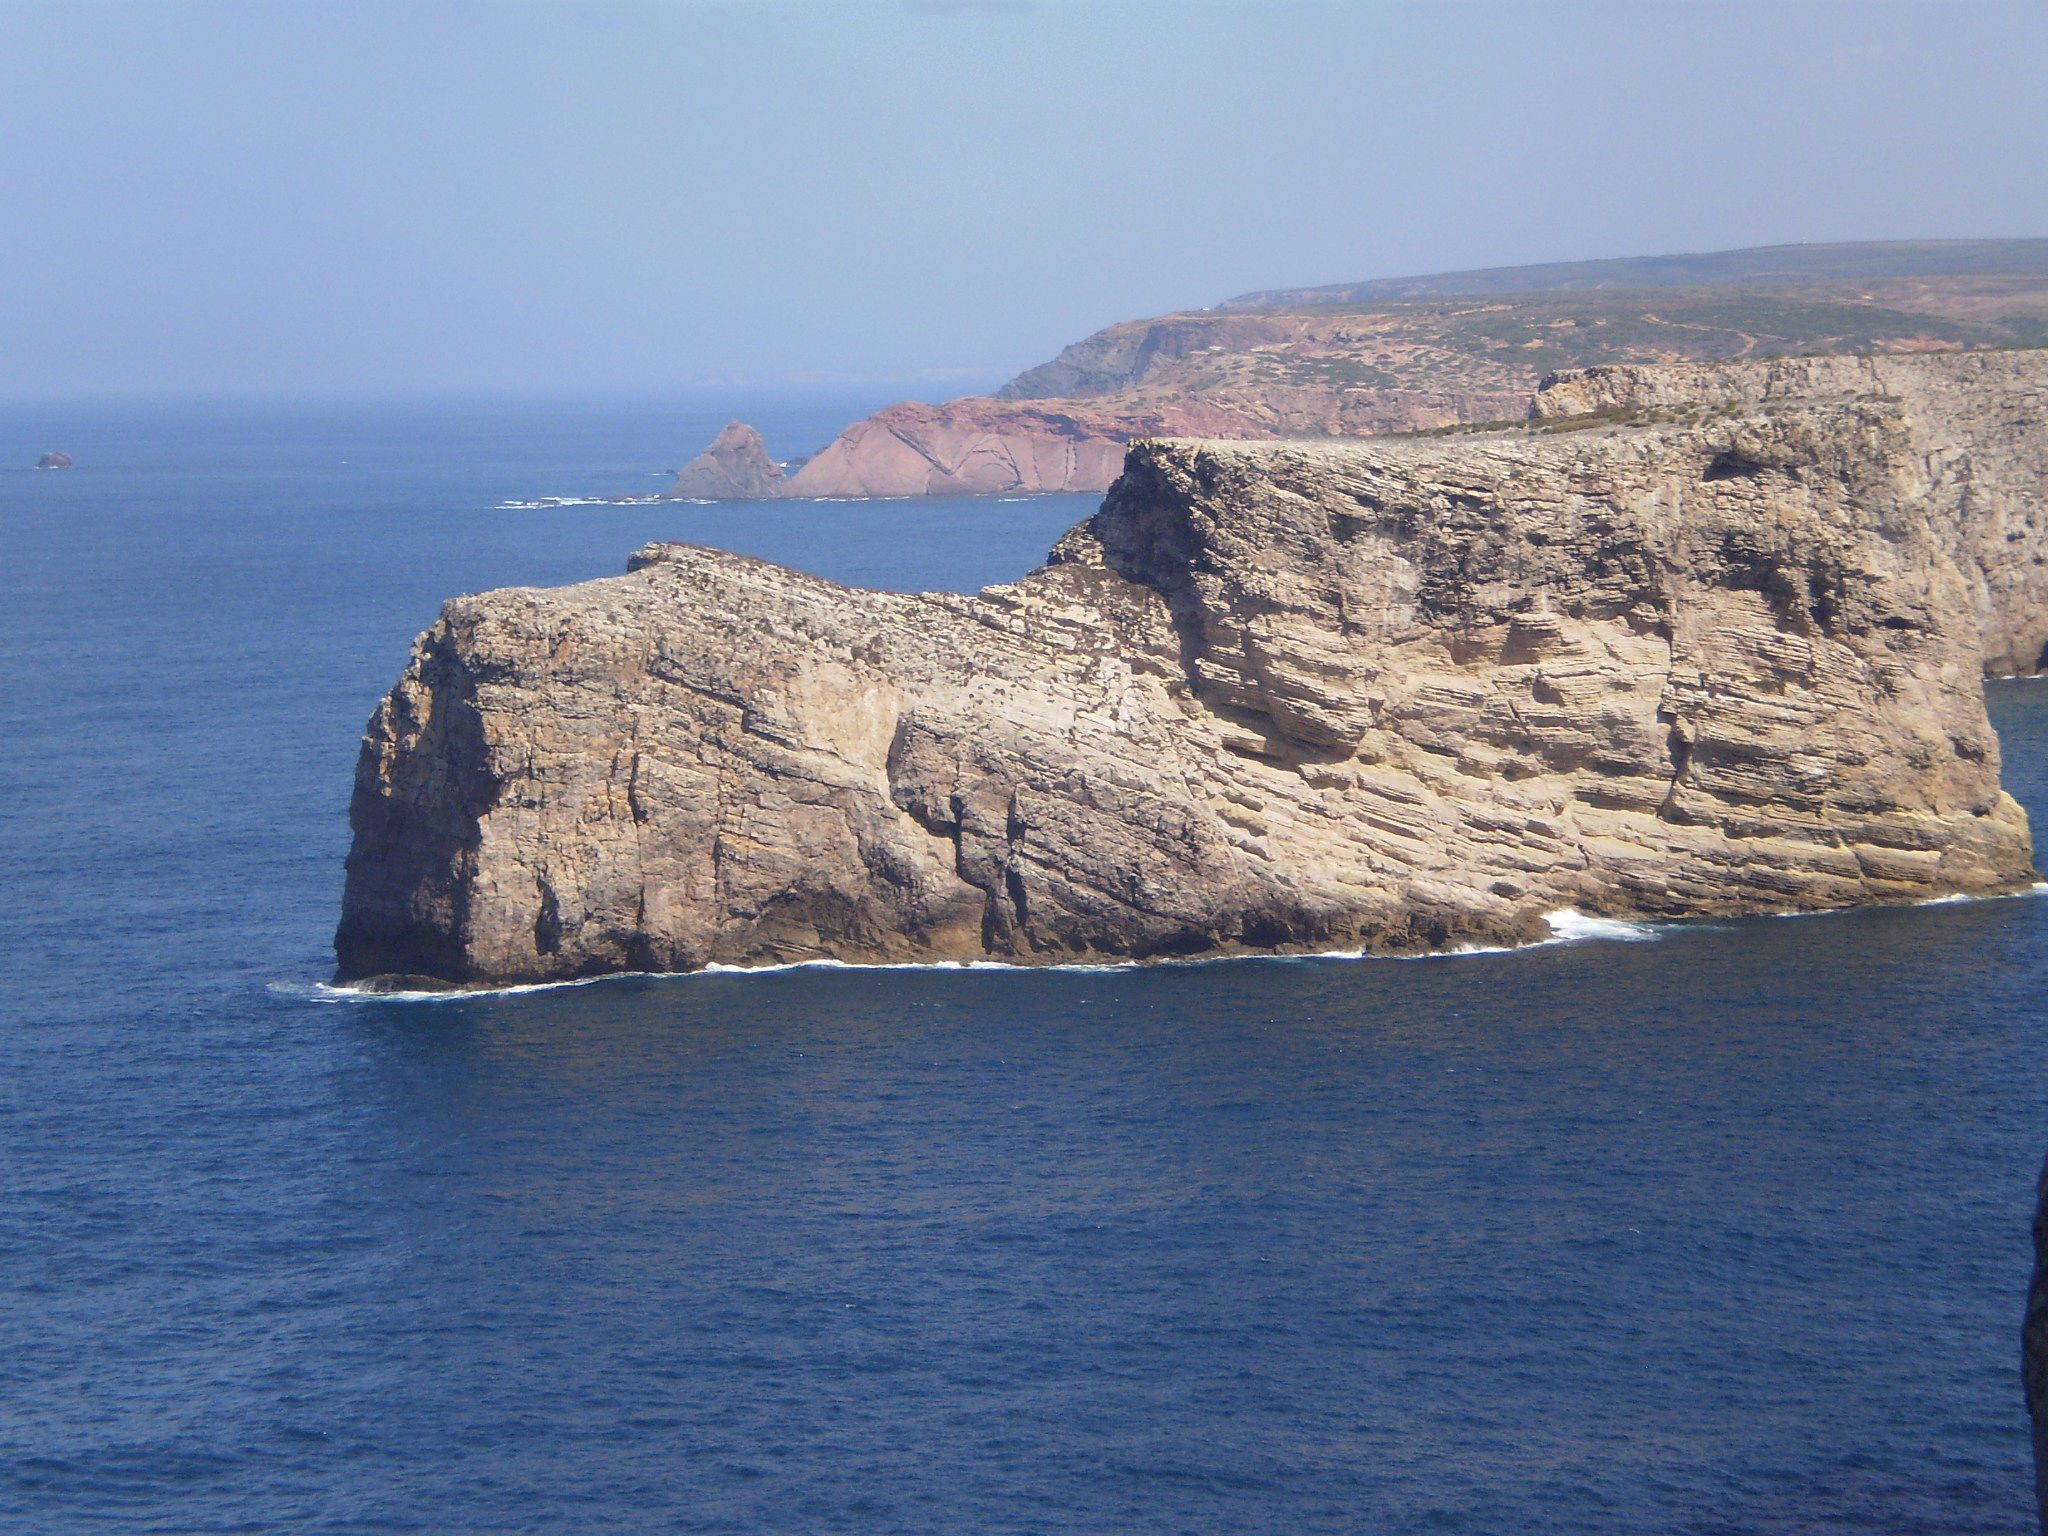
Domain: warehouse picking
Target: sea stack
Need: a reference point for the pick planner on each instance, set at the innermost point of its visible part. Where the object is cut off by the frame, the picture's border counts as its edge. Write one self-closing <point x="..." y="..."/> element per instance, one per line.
<point x="54" y="460"/>
<point x="1697" y="640"/>
<point x="736" y="467"/>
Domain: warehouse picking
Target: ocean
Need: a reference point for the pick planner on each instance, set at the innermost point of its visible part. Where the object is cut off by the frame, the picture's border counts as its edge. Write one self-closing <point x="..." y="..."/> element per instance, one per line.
<point x="1713" y="1228"/>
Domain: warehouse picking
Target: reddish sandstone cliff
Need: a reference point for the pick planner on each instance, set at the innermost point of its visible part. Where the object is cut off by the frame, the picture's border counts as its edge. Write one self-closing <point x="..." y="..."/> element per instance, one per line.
<point x="1360" y="364"/>
<point x="977" y="445"/>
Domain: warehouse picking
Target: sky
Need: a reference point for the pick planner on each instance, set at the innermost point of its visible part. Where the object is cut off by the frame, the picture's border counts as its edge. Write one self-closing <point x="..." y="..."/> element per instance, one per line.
<point x="210" y="197"/>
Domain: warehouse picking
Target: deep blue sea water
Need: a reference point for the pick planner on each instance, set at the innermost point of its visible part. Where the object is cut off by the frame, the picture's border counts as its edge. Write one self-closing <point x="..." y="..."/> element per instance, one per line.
<point x="1718" y="1233"/>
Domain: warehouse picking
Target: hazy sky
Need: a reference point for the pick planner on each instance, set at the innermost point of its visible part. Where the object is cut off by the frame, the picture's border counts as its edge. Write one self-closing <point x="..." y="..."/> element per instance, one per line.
<point x="312" y="195"/>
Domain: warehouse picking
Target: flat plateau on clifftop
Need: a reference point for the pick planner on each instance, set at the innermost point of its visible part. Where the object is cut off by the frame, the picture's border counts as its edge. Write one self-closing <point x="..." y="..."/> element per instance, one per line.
<point x="1401" y="354"/>
<point x="1717" y="650"/>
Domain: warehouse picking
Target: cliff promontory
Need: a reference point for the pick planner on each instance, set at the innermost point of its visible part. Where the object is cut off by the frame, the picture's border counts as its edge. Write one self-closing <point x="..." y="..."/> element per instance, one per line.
<point x="1713" y="644"/>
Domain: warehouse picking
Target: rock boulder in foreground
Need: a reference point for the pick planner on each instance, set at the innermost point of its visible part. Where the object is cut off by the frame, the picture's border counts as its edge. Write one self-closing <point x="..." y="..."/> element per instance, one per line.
<point x="1716" y="647"/>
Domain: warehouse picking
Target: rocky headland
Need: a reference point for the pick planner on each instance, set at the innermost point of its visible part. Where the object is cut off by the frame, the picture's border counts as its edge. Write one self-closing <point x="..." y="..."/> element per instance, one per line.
<point x="1407" y="354"/>
<point x="1695" y="640"/>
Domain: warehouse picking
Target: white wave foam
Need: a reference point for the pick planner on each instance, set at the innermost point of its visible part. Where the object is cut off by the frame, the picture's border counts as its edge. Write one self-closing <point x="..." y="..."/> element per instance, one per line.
<point x="2038" y="888"/>
<point x="325" y="992"/>
<point x="1567" y="926"/>
<point x="1592" y="927"/>
<point x="1571" y="926"/>
<point x="546" y="503"/>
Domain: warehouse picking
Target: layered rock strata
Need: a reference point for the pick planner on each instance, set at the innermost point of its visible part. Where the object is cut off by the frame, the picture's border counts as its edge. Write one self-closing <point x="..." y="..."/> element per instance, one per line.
<point x="1392" y="696"/>
<point x="1979" y="428"/>
<point x="736" y="467"/>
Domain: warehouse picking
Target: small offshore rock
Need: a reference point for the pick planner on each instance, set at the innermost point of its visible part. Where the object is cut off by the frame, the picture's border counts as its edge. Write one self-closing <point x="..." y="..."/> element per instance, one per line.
<point x="736" y="467"/>
<point x="54" y="460"/>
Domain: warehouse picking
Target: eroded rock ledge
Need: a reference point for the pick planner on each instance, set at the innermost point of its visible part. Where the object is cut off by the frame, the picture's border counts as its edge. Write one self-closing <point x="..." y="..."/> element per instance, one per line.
<point x="1712" y="653"/>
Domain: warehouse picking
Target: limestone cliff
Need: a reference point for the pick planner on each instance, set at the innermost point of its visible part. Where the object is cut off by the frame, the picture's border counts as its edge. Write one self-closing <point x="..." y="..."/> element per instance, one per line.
<point x="1387" y="695"/>
<point x="1981" y="428"/>
<point x="736" y="467"/>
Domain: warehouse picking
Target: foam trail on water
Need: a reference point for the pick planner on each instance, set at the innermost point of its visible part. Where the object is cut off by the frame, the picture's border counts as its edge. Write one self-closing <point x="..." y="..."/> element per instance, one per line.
<point x="326" y="992"/>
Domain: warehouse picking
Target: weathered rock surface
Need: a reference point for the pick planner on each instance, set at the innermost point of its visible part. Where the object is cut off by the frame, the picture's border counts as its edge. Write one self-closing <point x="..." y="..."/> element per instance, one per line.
<point x="1980" y="425"/>
<point x="736" y="467"/>
<point x="1388" y="695"/>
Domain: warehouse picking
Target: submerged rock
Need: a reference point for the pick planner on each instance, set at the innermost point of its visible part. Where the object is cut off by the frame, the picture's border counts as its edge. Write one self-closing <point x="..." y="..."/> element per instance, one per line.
<point x="54" y="460"/>
<point x="1642" y="660"/>
<point x="736" y="467"/>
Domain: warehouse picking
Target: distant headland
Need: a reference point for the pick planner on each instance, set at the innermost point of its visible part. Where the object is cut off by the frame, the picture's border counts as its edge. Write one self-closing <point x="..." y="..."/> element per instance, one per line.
<point x="1411" y="353"/>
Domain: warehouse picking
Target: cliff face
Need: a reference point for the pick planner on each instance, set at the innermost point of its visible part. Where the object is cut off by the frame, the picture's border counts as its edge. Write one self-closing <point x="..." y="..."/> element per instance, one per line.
<point x="736" y="467"/>
<point x="1980" y="426"/>
<point x="1388" y="695"/>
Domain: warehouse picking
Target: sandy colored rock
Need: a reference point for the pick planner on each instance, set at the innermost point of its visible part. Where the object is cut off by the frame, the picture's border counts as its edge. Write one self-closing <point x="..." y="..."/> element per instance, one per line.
<point x="1388" y="695"/>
